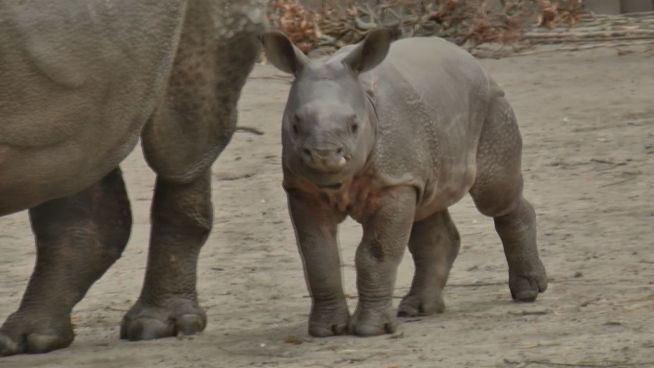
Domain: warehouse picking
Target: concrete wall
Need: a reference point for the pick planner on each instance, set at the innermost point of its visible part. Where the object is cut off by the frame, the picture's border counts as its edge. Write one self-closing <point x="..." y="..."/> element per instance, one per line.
<point x="619" y="6"/>
<point x="603" y="6"/>
<point x="631" y="6"/>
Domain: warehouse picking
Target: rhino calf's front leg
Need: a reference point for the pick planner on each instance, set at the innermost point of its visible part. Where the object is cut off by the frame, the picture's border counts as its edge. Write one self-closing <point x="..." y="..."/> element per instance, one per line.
<point x="385" y="236"/>
<point x="316" y="231"/>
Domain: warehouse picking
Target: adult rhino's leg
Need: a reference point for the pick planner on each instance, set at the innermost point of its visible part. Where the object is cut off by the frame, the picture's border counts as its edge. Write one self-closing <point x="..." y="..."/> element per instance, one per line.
<point x="434" y="245"/>
<point x="385" y="236"/>
<point x="497" y="192"/>
<point x="193" y="124"/>
<point x="77" y="238"/>
<point x="181" y="221"/>
<point x="316" y="231"/>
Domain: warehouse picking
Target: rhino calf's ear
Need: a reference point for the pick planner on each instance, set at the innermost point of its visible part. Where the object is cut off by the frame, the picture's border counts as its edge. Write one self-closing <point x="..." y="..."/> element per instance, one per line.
<point x="282" y="53"/>
<point x="371" y="51"/>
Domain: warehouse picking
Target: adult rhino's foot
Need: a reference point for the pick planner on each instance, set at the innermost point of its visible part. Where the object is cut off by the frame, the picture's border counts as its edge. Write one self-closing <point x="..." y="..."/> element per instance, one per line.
<point x="525" y="287"/>
<point x="373" y="321"/>
<point x="35" y="333"/>
<point x="173" y="317"/>
<point x="329" y="319"/>
<point x="421" y="304"/>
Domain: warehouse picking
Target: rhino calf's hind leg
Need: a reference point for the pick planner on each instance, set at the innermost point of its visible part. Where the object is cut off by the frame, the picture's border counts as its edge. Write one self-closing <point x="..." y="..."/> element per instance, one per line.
<point x="77" y="238"/>
<point x="182" y="217"/>
<point x="517" y="229"/>
<point x="497" y="192"/>
<point x="434" y="245"/>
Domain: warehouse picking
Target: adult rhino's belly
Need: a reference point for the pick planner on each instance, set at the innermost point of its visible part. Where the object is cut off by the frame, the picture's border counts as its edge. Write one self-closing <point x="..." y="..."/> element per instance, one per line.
<point x="29" y="177"/>
<point x="63" y="145"/>
<point x="78" y="80"/>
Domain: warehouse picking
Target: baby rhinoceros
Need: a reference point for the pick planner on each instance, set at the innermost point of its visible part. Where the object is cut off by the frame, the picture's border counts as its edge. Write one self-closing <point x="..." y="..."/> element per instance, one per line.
<point x="392" y="135"/>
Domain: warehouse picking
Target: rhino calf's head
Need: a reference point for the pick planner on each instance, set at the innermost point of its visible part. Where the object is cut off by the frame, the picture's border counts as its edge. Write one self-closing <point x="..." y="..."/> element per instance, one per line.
<point x="328" y="128"/>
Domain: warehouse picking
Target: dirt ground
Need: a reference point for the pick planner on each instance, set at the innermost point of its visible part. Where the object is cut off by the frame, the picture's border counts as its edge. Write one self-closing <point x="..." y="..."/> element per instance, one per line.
<point x="587" y="119"/>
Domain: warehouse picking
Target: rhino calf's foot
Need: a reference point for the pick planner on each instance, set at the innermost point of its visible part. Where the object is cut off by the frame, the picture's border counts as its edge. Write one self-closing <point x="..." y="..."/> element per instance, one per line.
<point x="525" y="288"/>
<point x="173" y="317"/>
<point x="413" y="305"/>
<point x="329" y="319"/>
<point x="373" y="321"/>
<point x="34" y="333"/>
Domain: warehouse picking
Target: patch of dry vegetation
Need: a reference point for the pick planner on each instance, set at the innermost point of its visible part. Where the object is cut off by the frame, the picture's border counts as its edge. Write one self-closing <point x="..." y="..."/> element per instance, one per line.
<point x="468" y="23"/>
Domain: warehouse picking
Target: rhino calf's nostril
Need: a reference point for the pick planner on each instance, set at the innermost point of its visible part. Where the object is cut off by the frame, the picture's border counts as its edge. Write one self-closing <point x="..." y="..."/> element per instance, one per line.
<point x="307" y="152"/>
<point x="339" y="151"/>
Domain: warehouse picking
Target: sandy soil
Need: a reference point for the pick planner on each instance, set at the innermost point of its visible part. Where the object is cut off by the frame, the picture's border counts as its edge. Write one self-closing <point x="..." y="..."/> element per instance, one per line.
<point x="587" y="119"/>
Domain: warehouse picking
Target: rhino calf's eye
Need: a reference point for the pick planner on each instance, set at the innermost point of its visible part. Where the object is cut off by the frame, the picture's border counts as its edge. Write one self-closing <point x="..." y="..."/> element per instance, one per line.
<point x="355" y="128"/>
<point x="296" y="130"/>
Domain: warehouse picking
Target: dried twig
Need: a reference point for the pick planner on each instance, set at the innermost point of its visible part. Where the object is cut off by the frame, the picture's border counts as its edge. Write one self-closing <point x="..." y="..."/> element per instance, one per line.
<point x="248" y="129"/>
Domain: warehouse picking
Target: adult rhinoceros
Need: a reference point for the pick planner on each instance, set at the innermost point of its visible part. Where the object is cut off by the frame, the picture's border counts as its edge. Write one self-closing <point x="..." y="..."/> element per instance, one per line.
<point x="80" y="82"/>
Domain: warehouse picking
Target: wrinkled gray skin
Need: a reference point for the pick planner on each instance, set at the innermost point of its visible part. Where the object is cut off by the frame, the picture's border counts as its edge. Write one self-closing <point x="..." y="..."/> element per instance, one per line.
<point x="80" y="82"/>
<point x="392" y="139"/>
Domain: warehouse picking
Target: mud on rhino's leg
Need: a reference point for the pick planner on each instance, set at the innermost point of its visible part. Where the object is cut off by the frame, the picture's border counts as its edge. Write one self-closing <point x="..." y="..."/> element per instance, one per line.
<point x="77" y="238"/>
<point x="385" y="236"/>
<point x="434" y="245"/>
<point x="497" y="192"/>
<point x="193" y="124"/>
<point x="316" y="232"/>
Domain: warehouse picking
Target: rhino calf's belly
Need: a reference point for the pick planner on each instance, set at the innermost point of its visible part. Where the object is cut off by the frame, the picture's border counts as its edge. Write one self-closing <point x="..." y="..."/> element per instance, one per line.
<point x="360" y="198"/>
<point x="438" y="197"/>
